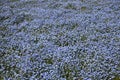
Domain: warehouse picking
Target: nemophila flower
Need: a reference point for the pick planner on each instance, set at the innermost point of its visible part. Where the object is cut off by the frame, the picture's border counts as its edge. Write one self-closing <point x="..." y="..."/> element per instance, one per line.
<point x="60" y="42"/>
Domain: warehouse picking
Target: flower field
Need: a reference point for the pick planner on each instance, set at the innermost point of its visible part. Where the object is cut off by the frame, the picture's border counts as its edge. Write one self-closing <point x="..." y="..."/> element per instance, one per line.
<point x="59" y="39"/>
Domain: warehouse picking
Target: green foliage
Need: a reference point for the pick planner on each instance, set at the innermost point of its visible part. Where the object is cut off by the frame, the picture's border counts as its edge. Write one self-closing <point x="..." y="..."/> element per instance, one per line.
<point x="117" y="39"/>
<point x="49" y="60"/>
<point x="3" y="28"/>
<point x="117" y="77"/>
<point x="74" y="26"/>
<point x="97" y="30"/>
<point x="83" y="38"/>
<point x="82" y="0"/>
<point x="64" y="43"/>
<point x="70" y="6"/>
<point x="67" y="72"/>
<point x="28" y="17"/>
<point x="43" y="29"/>
<point x="2" y="18"/>
<point x="83" y="8"/>
<point x="53" y="5"/>
<point x="36" y="40"/>
<point x="95" y="40"/>
<point x="1" y="78"/>
<point x="24" y="29"/>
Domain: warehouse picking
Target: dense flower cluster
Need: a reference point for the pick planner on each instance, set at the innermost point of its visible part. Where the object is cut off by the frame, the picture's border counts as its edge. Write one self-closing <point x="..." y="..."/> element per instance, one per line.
<point x="59" y="39"/>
